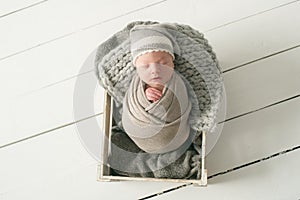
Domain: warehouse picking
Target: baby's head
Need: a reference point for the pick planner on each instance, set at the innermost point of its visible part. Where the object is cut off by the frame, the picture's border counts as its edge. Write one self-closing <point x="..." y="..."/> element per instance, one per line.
<point x="152" y="50"/>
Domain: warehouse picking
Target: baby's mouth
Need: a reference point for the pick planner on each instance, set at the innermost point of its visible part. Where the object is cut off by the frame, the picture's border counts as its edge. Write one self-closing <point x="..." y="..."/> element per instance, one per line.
<point x="156" y="78"/>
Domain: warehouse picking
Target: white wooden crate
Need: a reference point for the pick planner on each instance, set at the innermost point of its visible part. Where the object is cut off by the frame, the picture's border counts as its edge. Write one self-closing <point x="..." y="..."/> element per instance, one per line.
<point x="104" y="170"/>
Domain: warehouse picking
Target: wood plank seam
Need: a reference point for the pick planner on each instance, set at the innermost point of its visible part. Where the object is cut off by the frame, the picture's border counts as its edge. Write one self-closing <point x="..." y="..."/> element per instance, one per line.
<point x="68" y="124"/>
<point x="122" y="15"/>
<point x="49" y="131"/>
<point x="261" y="58"/>
<point x="24" y="8"/>
<point x="165" y="191"/>
<point x="249" y="16"/>
<point x="228" y="171"/>
<point x="235" y="168"/>
<point x="136" y="10"/>
<point x="223" y="72"/>
<point x="79" y="30"/>
<point x="262" y="108"/>
<point x="55" y="83"/>
<point x="256" y="161"/>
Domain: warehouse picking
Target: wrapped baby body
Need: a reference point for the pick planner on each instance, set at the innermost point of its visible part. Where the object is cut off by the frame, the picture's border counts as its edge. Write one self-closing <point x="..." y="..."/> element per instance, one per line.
<point x="158" y="126"/>
<point x="161" y="126"/>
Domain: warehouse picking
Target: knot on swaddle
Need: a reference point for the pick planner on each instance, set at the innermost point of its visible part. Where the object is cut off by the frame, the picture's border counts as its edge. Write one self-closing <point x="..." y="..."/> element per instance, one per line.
<point x="161" y="126"/>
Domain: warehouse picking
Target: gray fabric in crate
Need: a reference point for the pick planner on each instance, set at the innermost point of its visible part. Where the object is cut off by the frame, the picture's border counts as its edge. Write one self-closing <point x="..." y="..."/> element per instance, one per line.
<point x="197" y="64"/>
<point x="180" y="163"/>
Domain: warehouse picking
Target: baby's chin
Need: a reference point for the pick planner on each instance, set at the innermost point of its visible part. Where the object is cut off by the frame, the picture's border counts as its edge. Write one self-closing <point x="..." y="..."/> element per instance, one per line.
<point x="157" y="83"/>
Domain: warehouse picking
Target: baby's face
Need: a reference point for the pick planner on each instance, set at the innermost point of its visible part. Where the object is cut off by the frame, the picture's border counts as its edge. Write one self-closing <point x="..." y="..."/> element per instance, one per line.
<point x="155" y="68"/>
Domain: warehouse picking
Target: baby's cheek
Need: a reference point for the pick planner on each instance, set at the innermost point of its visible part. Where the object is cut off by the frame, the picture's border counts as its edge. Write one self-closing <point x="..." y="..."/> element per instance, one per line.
<point x="143" y="76"/>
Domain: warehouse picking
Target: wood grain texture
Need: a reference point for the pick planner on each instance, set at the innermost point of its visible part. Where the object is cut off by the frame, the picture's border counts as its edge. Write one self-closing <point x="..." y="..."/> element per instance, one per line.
<point x="261" y="181"/>
<point x="52" y="63"/>
<point x="56" y="19"/>
<point x="262" y="83"/>
<point x="14" y="6"/>
<point x="42" y="25"/>
<point x="44" y="47"/>
<point x="257" y="36"/>
<point x="255" y="136"/>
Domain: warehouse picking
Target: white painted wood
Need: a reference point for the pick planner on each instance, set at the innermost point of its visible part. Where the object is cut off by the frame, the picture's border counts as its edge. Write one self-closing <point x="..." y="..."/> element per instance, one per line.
<point x="257" y="36"/>
<point x="12" y="6"/>
<point x="57" y="18"/>
<point x="58" y="165"/>
<point x="241" y="138"/>
<point x="63" y="59"/>
<point x="48" y="154"/>
<point x="207" y="16"/>
<point x="256" y="136"/>
<point x="276" y="178"/>
<point x="103" y="168"/>
<point x="142" y="179"/>
<point x="262" y="83"/>
<point x="80" y="184"/>
<point x="40" y="159"/>
<point x="41" y="24"/>
<point x="51" y="63"/>
<point x="47" y="109"/>
<point x="46" y="65"/>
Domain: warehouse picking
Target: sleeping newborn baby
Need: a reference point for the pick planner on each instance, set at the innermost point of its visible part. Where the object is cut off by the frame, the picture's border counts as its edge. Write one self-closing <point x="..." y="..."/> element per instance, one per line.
<point x="155" y="70"/>
<point x="156" y="106"/>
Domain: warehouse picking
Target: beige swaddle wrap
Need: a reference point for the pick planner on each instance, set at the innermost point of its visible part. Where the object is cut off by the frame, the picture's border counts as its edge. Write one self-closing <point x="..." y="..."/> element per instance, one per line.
<point x="161" y="126"/>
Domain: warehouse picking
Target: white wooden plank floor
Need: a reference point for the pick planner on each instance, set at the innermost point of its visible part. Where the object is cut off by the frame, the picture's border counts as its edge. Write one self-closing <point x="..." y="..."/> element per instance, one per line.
<point x="265" y="180"/>
<point x="11" y="7"/>
<point x="44" y="45"/>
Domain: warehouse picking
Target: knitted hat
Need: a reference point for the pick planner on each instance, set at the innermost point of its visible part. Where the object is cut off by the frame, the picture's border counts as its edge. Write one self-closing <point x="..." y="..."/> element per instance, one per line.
<point x="152" y="38"/>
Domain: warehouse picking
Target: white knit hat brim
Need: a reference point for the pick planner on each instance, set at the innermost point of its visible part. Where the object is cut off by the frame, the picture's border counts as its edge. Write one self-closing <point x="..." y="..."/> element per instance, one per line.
<point x="151" y="50"/>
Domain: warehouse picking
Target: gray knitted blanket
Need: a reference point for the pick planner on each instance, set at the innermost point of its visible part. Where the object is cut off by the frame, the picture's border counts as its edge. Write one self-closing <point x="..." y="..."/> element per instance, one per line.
<point x="198" y="66"/>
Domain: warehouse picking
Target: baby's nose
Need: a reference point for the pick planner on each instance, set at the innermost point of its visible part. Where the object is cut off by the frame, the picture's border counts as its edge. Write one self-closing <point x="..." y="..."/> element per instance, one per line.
<point x="155" y="68"/>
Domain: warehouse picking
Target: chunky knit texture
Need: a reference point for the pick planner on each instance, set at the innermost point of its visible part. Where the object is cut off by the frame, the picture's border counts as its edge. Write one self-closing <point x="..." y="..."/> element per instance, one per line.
<point x="197" y="64"/>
